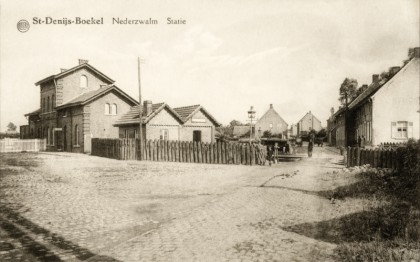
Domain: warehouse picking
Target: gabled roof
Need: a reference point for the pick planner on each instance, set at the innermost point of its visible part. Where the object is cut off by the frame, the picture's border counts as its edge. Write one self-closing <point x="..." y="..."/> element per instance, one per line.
<point x="374" y="87"/>
<point x="271" y="109"/>
<point x="187" y="112"/>
<point x="92" y="95"/>
<point x="71" y="70"/>
<point x="36" y="112"/>
<point x="309" y="113"/>
<point x="132" y="116"/>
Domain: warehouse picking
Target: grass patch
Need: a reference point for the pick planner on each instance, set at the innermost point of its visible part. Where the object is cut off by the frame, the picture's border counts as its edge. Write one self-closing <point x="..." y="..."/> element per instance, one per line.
<point x="389" y="228"/>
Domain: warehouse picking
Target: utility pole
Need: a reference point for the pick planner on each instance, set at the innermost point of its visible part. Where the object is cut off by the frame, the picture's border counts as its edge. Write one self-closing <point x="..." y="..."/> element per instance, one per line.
<point x="140" y="153"/>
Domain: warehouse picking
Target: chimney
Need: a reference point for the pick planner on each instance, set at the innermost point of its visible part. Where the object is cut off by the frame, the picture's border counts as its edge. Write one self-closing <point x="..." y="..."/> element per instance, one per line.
<point x="147" y="107"/>
<point x="62" y="70"/>
<point x="364" y="87"/>
<point x="82" y="61"/>
<point x="375" y="78"/>
<point x="271" y="106"/>
<point x="393" y="70"/>
<point x="414" y="52"/>
<point x="332" y="110"/>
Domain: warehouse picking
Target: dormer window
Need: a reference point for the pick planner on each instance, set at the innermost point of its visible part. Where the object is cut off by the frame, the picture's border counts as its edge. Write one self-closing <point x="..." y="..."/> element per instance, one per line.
<point x="83" y="81"/>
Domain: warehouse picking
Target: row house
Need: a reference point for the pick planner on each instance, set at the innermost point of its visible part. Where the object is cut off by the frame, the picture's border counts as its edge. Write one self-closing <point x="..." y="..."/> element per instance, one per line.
<point x="160" y="121"/>
<point x="386" y="111"/>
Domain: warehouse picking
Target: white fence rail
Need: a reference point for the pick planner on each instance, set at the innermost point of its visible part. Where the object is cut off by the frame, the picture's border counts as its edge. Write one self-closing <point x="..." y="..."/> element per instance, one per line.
<point x="22" y="145"/>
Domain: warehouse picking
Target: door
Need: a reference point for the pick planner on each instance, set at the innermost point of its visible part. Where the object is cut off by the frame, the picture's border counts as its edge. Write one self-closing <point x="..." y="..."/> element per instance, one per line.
<point x="64" y="138"/>
<point x="197" y="136"/>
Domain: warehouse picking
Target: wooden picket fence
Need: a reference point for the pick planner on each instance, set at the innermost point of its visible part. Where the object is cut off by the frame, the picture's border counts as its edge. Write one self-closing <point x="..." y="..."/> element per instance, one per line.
<point x="181" y="151"/>
<point x="384" y="158"/>
<point x="9" y="145"/>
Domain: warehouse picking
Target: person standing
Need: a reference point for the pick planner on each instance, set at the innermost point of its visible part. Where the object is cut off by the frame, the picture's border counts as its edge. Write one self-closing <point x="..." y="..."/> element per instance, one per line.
<point x="311" y="143"/>
<point x="359" y="141"/>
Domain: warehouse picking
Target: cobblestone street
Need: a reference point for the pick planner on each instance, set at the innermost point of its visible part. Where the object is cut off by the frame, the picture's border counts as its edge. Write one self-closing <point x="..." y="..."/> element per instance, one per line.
<point x="73" y="207"/>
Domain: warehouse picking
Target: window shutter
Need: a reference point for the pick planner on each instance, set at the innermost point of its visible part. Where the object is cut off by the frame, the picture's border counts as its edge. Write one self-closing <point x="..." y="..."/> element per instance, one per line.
<point x="393" y="129"/>
<point x="410" y="130"/>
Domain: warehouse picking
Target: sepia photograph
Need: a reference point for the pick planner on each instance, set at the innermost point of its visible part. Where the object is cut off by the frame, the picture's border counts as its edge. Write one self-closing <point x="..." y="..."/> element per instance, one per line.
<point x="237" y="130"/>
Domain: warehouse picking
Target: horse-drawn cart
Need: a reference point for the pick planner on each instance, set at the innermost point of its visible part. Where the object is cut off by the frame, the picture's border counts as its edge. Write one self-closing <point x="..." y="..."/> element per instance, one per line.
<point x="281" y="149"/>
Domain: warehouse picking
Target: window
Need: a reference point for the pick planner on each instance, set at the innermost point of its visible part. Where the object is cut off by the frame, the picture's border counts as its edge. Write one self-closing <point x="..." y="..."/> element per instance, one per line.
<point x="113" y="109"/>
<point x="271" y="126"/>
<point x="43" y="105"/>
<point x="136" y="135"/>
<point x="197" y="136"/>
<point x="107" y="108"/>
<point x="83" y="81"/>
<point x="76" y="135"/>
<point x="164" y="134"/>
<point x="52" y="102"/>
<point x="401" y="130"/>
<point x="126" y="133"/>
<point x="48" y="104"/>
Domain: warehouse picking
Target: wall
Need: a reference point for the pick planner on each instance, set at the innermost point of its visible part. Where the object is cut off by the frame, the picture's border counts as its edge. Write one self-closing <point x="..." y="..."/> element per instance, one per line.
<point x="68" y="87"/>
<point x="271" y="117"/>
<point x="67" y="120"/>
<point x="309" y="122"/>
<point x="199" y="122"/>
<point x="163" y="120"/>
<point x="397" y="100"/>
<point x="100" y="125"/>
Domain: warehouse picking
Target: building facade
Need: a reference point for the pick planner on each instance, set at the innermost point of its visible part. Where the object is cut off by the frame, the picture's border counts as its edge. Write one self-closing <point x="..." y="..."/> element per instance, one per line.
<point x="307" y="123"/>
<point x="271" y="121"/>
<point x="76" y="105"/>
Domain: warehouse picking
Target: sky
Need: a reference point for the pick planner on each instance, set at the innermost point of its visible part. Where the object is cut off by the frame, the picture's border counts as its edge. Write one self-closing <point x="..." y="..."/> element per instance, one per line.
<point x="229" y="55"/>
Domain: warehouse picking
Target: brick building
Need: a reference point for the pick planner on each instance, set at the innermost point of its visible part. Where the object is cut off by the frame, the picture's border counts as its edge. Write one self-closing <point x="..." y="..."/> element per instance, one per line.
<point x="76" y="105"/>
<point x="160" y="121"/>
<point x="271" y="121"/>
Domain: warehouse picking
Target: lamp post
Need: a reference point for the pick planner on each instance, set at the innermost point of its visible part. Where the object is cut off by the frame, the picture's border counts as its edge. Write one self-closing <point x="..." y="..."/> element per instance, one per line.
<point x="251" y="116"/>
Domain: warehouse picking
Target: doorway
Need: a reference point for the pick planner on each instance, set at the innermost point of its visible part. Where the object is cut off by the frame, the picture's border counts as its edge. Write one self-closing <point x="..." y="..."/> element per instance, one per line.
<point x="65" y="138"/>
<point x="197" y="136"/>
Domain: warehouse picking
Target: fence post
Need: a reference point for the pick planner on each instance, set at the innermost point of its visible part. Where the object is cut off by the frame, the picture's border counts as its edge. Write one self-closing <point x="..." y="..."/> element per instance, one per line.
<point x="348" y="164"/>
<point x="358" y="156"/>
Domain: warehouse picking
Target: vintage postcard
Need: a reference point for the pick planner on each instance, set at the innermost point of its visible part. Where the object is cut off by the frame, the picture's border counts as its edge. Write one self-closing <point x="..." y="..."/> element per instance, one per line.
<point x="209" y="130"/>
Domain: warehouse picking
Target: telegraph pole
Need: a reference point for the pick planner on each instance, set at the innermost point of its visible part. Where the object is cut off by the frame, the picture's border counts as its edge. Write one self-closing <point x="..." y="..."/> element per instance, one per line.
<point x="140" y="153"/>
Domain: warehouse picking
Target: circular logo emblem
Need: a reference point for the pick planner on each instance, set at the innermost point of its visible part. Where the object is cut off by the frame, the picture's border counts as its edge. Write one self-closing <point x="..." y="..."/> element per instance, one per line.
<point x="23" y="26"/>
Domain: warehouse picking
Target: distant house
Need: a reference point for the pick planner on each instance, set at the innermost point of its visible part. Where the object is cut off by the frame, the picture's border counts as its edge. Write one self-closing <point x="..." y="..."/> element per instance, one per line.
<point x="271" y="121"/>
<point x="160" y="121"/>
<point x="307" y="123"/>
<point x="76" y="105"/>
<point x="385" y="111"/>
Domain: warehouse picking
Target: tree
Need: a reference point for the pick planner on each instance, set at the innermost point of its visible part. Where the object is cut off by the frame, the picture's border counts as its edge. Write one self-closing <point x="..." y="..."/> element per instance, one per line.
<point x="267" y="134"/>
<point x="235" y="123"/>
<point x="11" y="127"/>
<point x="348" y="91"/>
<point x="322" y="133"/>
